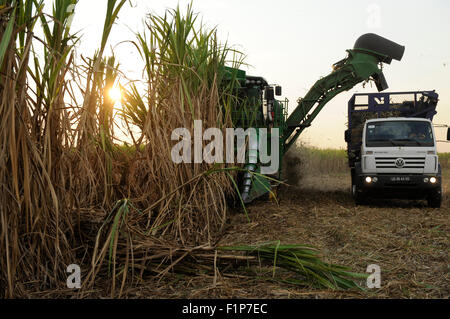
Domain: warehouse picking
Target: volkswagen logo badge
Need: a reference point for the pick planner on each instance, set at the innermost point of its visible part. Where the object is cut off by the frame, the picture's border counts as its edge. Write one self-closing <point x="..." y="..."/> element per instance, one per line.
<point x="400" y="162"/>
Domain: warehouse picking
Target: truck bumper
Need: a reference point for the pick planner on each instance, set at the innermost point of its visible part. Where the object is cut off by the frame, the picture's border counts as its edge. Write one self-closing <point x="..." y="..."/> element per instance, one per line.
<point x="398" y="186"/>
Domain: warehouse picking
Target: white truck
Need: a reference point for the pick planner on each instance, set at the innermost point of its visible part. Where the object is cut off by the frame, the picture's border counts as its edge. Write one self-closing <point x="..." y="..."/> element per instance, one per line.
<point x="394" y="156"/>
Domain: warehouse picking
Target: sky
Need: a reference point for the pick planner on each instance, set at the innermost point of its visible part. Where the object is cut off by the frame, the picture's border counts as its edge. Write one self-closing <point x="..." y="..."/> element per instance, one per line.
<point x="294" y="43"/>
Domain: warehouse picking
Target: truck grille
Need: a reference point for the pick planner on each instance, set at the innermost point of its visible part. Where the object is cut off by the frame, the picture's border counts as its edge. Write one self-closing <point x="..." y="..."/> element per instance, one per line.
<point x="409" y="162"/>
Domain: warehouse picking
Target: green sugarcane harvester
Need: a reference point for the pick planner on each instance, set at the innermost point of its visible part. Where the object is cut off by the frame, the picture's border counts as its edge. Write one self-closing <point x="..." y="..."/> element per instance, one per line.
<point x="258" y="107"/>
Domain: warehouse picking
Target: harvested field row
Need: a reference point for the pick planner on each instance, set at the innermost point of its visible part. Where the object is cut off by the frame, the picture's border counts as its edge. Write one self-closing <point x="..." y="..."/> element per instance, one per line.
<point x="408" y="240"/>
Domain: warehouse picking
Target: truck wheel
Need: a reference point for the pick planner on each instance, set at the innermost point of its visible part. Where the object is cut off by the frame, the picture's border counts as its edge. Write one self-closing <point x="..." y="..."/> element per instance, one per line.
<point x="435" y="198"/>
<point x="358" y="197"/>
<point x="353" y="190"/>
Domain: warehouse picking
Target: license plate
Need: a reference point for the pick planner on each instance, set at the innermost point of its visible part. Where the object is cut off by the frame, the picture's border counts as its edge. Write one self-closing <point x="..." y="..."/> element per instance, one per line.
<point x="400" y="179"/>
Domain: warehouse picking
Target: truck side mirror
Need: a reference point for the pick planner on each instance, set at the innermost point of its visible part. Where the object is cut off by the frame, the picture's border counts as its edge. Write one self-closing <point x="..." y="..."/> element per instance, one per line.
<point x="448" y="134"/>
<point x="347" y="136"/>
<point x="278" y="90"/>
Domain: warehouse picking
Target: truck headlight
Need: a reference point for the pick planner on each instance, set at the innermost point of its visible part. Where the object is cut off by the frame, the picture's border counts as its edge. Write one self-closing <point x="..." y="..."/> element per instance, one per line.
<point x="433" y="180"/>
<point x="426" y="180"/>
<point x="368" y="179"/>
<point x="375" y="179"/>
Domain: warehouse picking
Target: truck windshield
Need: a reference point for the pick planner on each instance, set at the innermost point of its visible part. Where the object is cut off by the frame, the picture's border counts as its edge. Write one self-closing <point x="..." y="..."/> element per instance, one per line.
<point x="399" y="133"/>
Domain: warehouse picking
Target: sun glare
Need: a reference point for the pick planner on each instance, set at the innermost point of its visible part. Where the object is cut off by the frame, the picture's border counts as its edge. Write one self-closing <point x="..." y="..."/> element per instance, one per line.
<point x="115" y="94"/>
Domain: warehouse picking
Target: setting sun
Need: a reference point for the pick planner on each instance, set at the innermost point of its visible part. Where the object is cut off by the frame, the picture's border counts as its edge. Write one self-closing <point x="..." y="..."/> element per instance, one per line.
<point x="115" y="94"/>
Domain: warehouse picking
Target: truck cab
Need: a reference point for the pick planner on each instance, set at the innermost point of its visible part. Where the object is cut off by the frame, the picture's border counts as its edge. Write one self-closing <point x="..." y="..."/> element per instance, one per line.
<point x="398" y="160"/>
<point x="391" y="147"/>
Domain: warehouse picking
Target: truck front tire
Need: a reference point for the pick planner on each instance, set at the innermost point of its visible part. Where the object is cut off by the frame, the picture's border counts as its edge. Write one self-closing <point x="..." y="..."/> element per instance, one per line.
<point x="435" y="198"/>
<point x="358" y="197"/>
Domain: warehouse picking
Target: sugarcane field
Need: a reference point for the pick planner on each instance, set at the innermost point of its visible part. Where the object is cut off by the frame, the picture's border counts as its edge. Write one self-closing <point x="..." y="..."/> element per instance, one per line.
<point x="224" y="150"/>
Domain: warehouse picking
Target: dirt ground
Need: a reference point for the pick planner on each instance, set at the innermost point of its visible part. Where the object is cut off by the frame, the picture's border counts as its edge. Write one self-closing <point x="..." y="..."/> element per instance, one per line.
<point x="408" y="240"/>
